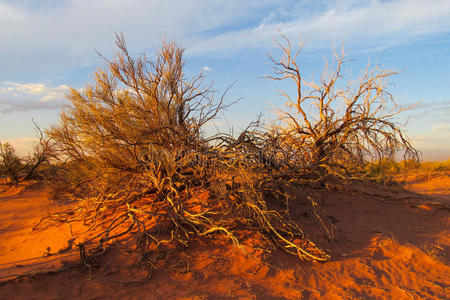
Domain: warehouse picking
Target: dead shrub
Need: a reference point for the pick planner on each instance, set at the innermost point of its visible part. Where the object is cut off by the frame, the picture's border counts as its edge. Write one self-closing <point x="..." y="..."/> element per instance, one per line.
<point x="336" y="128"/>
<point x="132" y="151"/>
<point x="132" y="148"/>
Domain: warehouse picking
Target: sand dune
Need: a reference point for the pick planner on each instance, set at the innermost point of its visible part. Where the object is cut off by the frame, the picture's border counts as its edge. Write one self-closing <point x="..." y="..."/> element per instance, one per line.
<point x="385" y="244"/>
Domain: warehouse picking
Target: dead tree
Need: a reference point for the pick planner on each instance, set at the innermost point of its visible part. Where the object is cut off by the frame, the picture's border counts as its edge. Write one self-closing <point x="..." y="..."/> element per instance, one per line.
<point x="337" y="127"/>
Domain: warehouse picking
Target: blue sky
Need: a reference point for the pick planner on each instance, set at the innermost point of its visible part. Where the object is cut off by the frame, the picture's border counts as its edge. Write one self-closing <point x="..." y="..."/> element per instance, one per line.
<point x="48" y="46"/>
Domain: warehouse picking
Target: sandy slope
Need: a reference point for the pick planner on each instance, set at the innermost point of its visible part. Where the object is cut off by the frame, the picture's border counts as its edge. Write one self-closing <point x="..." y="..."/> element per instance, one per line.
<point x="385" y="245"/>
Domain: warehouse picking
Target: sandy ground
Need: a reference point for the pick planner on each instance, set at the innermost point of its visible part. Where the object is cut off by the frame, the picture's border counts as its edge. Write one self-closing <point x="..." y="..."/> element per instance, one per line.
<point x="384" y="244"/>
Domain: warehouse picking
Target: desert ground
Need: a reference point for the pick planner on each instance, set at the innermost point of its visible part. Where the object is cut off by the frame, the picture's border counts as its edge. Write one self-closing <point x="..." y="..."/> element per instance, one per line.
<point x="385" y="242"/>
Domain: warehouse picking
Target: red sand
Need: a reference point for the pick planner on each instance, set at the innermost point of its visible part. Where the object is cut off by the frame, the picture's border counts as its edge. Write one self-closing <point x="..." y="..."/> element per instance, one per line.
<point x="386" y="245"/>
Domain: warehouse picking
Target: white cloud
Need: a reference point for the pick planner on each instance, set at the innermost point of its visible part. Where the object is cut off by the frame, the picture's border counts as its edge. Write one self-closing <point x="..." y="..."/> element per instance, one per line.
<point x="206" y="69"/>
<point x="373" y="25"/>
<point x="430" y="129"/>
<point x="63" y="35"/>
<point x="16" y="96"/>
<point x="436" y="139"/>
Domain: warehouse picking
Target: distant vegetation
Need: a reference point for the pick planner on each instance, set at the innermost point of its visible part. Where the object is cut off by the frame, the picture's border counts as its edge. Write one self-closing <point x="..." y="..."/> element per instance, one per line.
<point x="14" y="168"/>
<point x="387" y="169"/>
<point x="131" y="150"/>
<point x="436" y="166"/>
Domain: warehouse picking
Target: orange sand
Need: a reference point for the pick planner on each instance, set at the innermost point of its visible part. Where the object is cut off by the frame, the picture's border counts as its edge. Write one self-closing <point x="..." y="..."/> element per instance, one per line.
<point x="385" y="245"/>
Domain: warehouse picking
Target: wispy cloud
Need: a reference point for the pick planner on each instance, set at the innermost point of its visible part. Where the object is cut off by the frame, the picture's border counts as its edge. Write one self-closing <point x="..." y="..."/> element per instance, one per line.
<point x="369" y="25"/>
<point x="436" y="138"/>
<point x="16" y="96"/>
<point x="432" y="104"/>
<point x="430" y="129"/>
<point x="64" y="34"/>
<point x="430" y="112"/>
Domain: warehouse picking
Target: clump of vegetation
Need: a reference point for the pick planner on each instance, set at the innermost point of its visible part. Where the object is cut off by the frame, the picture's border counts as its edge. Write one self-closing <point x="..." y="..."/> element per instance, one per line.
<point x="435" y="166"/>
<point x="10" y="162"/>
<point x="386" y="170"/>
<point x="131" y="149"/>
<point x="15" y="169"/>
<point x="333" y="127"/>
<point x="136" y="138"/>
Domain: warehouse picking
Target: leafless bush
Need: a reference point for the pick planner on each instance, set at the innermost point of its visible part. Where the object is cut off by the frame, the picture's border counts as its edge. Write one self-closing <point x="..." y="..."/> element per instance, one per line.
<point x="333" y="127"/>
<point x="132" y="150"/>
<point x="135" y="147"/>
<point x="17" y="169"/>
